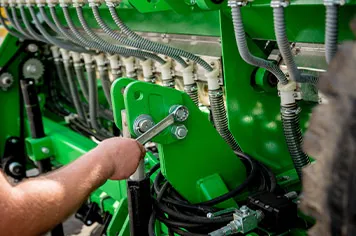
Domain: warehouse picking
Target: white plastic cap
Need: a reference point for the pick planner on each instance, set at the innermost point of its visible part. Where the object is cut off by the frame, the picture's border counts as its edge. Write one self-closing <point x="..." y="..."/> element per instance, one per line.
<point x="166" y="72"/>
<point x="213" y="79"/>
<point x="55" y="52"/>
<point x="188" y="76"/>
<point x="147" y="68"/>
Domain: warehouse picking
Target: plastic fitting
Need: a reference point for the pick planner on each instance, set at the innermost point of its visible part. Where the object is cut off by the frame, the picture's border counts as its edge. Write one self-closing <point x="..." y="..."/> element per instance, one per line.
<point x="147" y="68"/>
<point x="55" y="53"/>
<point x="115" y="65"/>
<point x="129" y="63"/>
<point x="188" y="75"/>
<point x="65" y="55"/>
<point x="213" y="79"/>
<point x="287" y="92"/>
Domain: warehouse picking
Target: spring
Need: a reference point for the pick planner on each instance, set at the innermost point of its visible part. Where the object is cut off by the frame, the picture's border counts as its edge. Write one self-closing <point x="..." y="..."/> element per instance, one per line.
<point x="220" y="119"/>
<point x="192" y="91"/>
<point x="331" y="31"/>
<point x="293" y="136"/>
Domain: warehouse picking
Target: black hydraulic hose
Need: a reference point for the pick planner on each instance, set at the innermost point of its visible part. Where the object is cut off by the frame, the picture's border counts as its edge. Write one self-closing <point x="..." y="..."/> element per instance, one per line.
<point x="238" y="189"/>
<point x="63" y="30"/>
<point x="28" y="25"/>
<point x="83" y="84"/>
<point x="106" y="83"/>
<point x="293" y="136"/>
<point x="60" y="72"/>
<point x="74" y="92"/>
<point x="16" y="22"/>
<point x="12" y="32"/>
<point x="157" y="47"/>
<point x="284" y="48"/>
<point x="331" y="31"/>
<point x="243" y="47"/>
<point x="66" y="45"/>
<point x="218" y="111"/>
<point x="114" y="48"/>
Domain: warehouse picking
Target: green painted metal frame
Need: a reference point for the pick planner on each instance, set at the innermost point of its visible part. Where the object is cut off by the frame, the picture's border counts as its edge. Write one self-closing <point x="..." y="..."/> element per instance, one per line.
<point x="196" y="184"/>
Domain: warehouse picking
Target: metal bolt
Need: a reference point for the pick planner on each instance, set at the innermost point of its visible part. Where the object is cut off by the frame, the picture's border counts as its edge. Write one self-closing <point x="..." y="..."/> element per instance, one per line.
<point x="13" y="140"/>
<point x="32" y="47"/>
<point x="89" y="222"/>
<point x="244" y="209"/>
<point x="142" y="124"/>
<point x="45" y="150"/>
<point x="180" y="112"/>
<point x="180" y="131"/>
<point x="209" y="215"/>
<point x="15" y="168"/>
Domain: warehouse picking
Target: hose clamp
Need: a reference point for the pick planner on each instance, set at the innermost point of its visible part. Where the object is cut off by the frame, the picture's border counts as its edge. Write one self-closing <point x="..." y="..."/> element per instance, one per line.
<point x="111" y="4"/>
<point x="190" y="88"/>
<point x="94" y="4"/>
<point x="237" y="3"/>
<point x="288" y="111"/>
<point x="280" y="3"/>
<point x="216" y="93"/>
<point x="62" y="4"/>
<point x="334" y="2"/>
<point x="77" y="4"/>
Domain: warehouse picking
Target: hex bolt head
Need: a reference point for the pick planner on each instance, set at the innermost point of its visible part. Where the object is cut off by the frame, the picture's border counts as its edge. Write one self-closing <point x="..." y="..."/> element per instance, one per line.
<point x="181" y="113"/>
<point x="142" y="124"/>
<point x="179" y="131"/>
<point x="15" y="168"/>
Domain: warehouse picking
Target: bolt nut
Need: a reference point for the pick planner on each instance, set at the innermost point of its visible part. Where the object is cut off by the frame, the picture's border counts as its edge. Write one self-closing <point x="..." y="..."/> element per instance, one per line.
<point x="142" y="124"/>
<point x="32" y="47"/>
<point x="15" y="168"/>
<point x="181" y="113"/>
<point x="179" y="131"/>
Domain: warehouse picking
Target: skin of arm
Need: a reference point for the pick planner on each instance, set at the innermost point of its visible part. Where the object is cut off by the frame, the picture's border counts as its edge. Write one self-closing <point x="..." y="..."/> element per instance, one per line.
<point x="36" y="205"/>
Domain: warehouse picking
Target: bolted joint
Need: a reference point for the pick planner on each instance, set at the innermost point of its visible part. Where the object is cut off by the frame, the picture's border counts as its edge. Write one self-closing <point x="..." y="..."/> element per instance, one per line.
<point x="334" y="2"/>
<point x="142" y="124"/>
<point x="237" y="3"/>
<point x="179" y="131"/>
<point x="180" y="113"/>
<point x="15" y="168"/>
<point x="280" y="3"/>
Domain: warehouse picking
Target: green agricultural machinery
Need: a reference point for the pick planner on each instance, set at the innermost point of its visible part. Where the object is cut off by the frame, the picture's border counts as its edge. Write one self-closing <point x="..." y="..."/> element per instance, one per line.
<point x="226" y="86"/>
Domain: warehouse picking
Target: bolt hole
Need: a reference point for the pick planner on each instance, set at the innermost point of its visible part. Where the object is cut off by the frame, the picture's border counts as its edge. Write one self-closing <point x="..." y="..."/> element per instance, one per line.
<point x="138" y="95"/>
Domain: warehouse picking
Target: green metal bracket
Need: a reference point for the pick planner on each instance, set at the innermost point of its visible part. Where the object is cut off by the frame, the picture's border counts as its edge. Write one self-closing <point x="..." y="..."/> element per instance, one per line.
<point x="118" y="218"/>
<point x="179" y="6"/>
<point x="39" y="149"/>
<point x="207" y="150"/>
<point x="118" y="102"/>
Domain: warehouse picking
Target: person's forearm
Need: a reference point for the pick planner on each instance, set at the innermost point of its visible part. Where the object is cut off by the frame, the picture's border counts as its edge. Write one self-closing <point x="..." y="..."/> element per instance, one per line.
<point x="37" y="205"/>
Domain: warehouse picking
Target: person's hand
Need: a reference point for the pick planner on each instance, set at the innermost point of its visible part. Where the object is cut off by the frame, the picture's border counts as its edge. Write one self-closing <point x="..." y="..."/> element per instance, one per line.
<point x="121" y="155"/>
